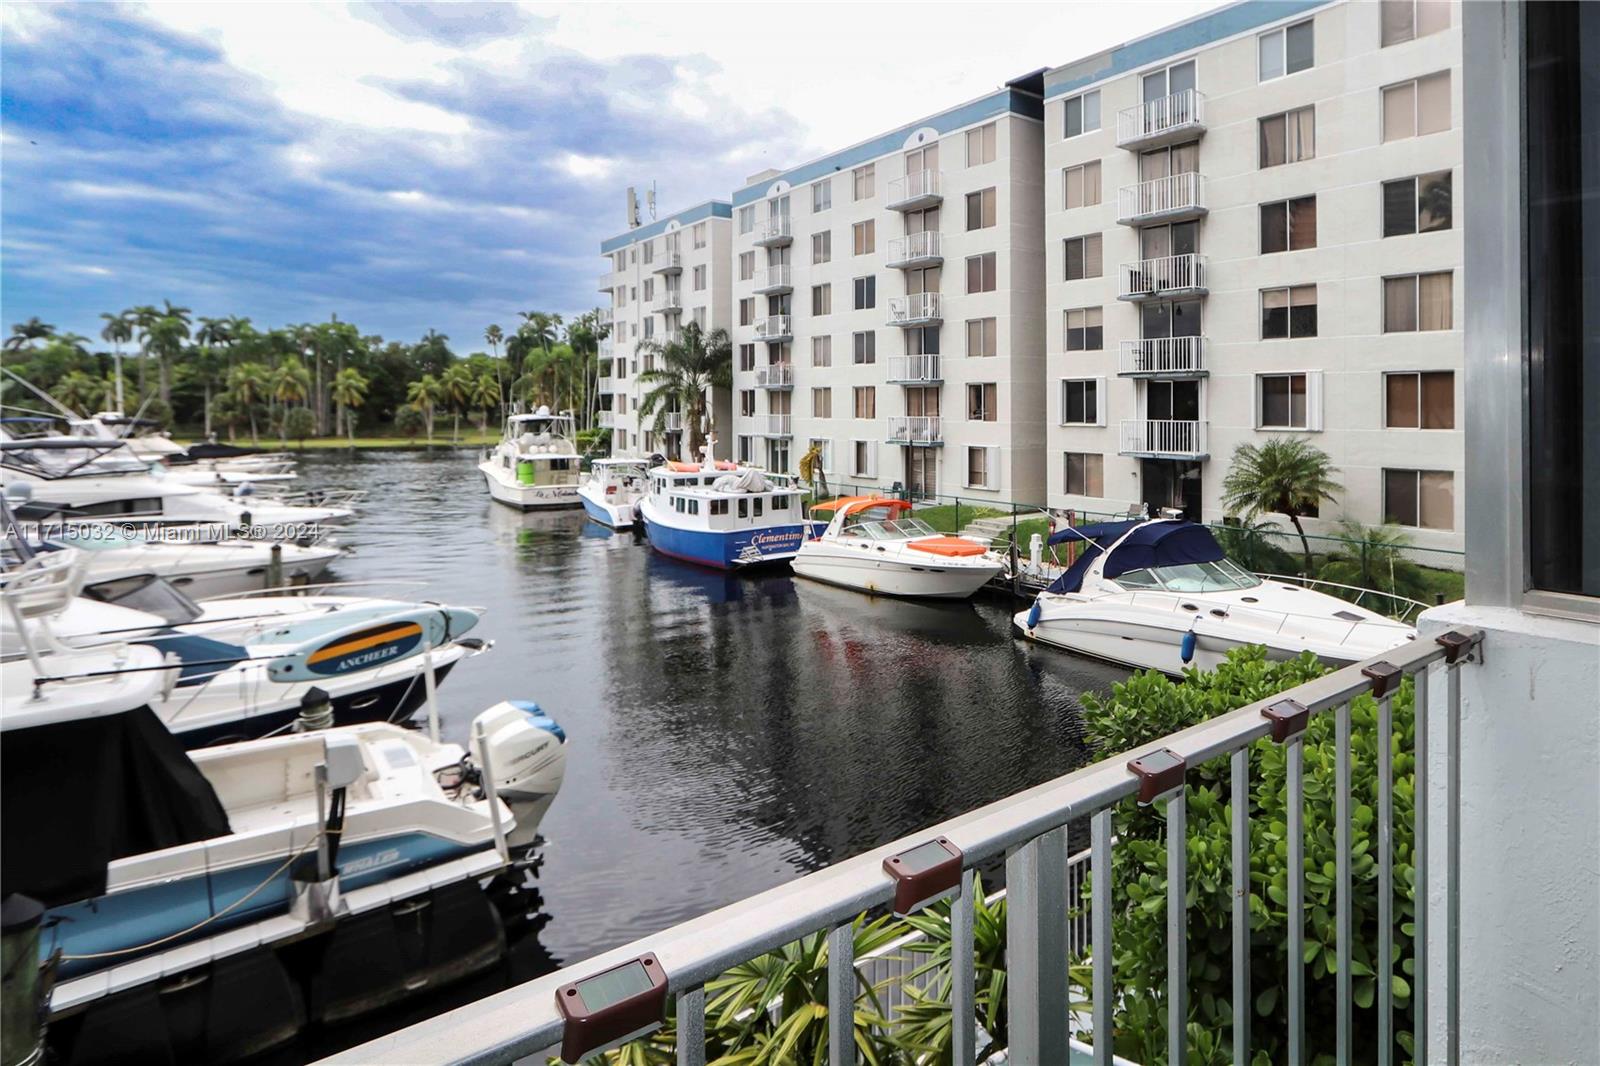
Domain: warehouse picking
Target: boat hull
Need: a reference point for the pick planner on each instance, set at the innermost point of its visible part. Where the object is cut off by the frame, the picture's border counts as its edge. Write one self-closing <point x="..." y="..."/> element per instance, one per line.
<point x="611" y="515"/>
<point x="860" y="570"/>
<point x="724" y="550"/>
<point x="529" y="497"/>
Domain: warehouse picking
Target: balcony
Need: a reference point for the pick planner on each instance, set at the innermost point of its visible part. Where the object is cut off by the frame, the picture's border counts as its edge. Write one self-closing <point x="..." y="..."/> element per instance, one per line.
<point x="669" y="263"/>
<point x="1166" y="278"/>
<point x="608" y="281"/>
<point x="916" y="250"/>
<point x="668" y="302"/>
<point x="1163" y="357"/>
<point x="1150" y="438"/>
<point x="916" y="190"/>
<point x="774" y="425"/>
<point x="917" y="309"/>
<point x="775" y="329"/>
<point x="914" y="370"/>
<point x="773" y="281"/>
<point x="1177" y="198"/>
<point x="774" y="232"/>
<point x="672" y="422"/>
<point x="775" y="376"/>
<point x="603" y="382"/>
<point x="1174" y="118"/>
<point x="608" y="419"/>
<point x="919" y="431"/>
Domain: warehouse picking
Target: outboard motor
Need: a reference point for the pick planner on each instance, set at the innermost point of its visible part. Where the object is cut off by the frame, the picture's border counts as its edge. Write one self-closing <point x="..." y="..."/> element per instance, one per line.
<point x="528" y="756"/>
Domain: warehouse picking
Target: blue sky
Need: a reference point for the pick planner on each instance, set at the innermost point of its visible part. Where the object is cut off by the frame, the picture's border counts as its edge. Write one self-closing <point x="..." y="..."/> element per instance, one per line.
<point x="434" y="166"/>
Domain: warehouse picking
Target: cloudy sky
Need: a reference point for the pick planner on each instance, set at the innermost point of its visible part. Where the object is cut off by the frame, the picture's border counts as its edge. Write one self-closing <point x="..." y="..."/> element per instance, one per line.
<point x="441" y="166"/>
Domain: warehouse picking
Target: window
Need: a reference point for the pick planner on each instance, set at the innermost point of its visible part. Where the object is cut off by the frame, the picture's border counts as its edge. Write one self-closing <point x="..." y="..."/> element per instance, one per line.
<point x="821" y="351"/>
<point x="747" y="401"/>
<point x="1421" y="400"/>
<point x="1417" y="108"/>
<point x="1417" y="205"/>
<point x="862" y="178"/>
<point x="983" y="402"/>
<point x="699" y="233"/>
<point x="980" y="272"/>
<point x="863" y="459"/>
<point x="1405" y="20"/>
<point x="1080" y="185"/>
<point x="980" y="209"/>
<point x="747" y="219"/>
<point x="745" y="451"/>
<point x="864" y="235"/>
<point x="923" y="340"/>
<point x="747" y="310"/>
<point x="865" y="347"/>
<point x="1285" y="51"/>
<point x="1422" y="498"/>
<point x="981" y="337"/>
<point x="747" y="265"/>
<point x="747" y="357"/>
<point x="821" y="403"/>
<point x="1082" y="257"/>
<point x="649" y="252"/>
<point x="822" y="247"/>
<point x="1080" y="402"/>
<point x="1289" y="138"/>
<point x="1084" y="330"/>
<point x="1417" y="302"/>
<point x="824" y="450"/>
<point x="1289" y="312"/>
<point x="649" y="328"/>
<point x="980" y="467"/>
<point x="649" y="288"/>
<point x="1159" y="84"/>
<point x="822" y="195"/>
<point x="866" y="401"/>
<point x="980" y="145"/>
<point x="1083" y="474"/>
<point x="1082" y="114"/>
<point x="1283" y="401"/>
<point x="699" y="278"/>
<point x="1289" y="225"/>
<point x="821" y="299"/>
<point x="866" y="292"/>
<point x="698" y="317"/>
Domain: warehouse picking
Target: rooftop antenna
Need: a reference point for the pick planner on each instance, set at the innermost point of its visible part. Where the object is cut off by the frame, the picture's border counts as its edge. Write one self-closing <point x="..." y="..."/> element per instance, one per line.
<point x="633" y="209"/>
<point x="650" y="201"/>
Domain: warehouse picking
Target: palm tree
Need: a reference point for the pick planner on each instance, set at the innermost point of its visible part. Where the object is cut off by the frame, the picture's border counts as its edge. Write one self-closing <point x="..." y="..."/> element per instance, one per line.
<point x="290" y="383"/>
<point x="1285" y="476"/>
<point x="249" y="382"/>
<point x="425" y="393"/>
<point x="23" y="334"/>
<point x="143" y="317"/>
<point x="686" y="370"/>
<point x="349" y="392"/>
<point x="486" y="396"/>
<point x="458" y="387"/>
<point x="210" y="367"/>
<point x="79" y="391"/>
<point x="1373" y="557"/>
<point x="494" y="336"/>
<point x="117" y="332"/>
<point x="165" y="337"/>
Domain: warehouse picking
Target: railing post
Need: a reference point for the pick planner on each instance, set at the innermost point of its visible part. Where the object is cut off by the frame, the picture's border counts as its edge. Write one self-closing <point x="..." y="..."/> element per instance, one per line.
<point x="963" y="1006"/>
<point x="1294" y="758"/>
<point x="1036" y="950"/>
<point x="842" y="994"/>
<point x="1178" y="927"/>
<point x="1100" y="939"/>
<point x="691" y="1026"/>
<point x="1421" y="856"/>
<point x="1239" y="788"/>
<point x="1384" y="964"/>
<point x="1343" y="1001"/>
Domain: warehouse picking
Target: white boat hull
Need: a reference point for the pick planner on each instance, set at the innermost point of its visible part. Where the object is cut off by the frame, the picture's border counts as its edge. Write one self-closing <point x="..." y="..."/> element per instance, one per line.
<point x="892" y="574"/>
<point x="615" y="510"/>
<point x="513" y="493"/>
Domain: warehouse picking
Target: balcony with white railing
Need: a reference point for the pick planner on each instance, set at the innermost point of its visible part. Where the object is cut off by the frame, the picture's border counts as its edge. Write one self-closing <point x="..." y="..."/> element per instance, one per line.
<point x="608" y="281"/>
<point x="668" y="302"/>
<point x="775" y="329"/>
<point x="914" y="370"/>
<point x="604" y="317"/>
<point x="1176" y="198"/>
<point x="774" y="280"/>
<point x="774" y="425"/>
<point x="1169" y="277"/>
<point x="608" y="419"/>
<point x="1156" y="438"/>
<point x="774" y="232"/>
<point x="668" y="263"/>
<point x="603" y="382"/>
<point x="916" y="190"/>
<point x="672" y="422"/>
<point x="775" y="376"/>
<point x="1165" y="121"/>
<point x="917" y="309"/>
<point x="1163" y="357"/>
<point x="916" y="430"/>
<point x="916" y="250"/>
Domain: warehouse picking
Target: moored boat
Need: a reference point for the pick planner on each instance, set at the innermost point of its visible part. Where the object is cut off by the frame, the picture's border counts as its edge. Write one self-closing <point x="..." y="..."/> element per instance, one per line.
<point x="535" y="466"/>
<point x="875" y="544"/>
<point x="723" y="515"/>
<point x="612" y="490"/>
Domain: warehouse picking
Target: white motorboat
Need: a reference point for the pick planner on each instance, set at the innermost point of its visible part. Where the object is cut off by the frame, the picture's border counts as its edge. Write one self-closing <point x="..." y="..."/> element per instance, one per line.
<point x="536" y="464"/>
<point x="146" y="444"/>
<point x="613" y="488"/>
<point x="875" y="544"/>
<point x="1162" y="595"/>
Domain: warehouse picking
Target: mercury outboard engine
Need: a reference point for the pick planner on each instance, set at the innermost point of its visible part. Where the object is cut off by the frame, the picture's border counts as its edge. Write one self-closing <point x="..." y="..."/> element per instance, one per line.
<point x="527" y="753"/>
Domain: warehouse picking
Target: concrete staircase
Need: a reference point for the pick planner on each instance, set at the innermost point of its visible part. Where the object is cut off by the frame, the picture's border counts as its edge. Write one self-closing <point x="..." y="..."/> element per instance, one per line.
<point x="1000" y="525"/>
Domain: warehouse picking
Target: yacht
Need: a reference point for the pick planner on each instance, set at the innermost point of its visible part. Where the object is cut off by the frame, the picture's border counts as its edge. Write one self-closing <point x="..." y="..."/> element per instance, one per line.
<point x="146" y="444"/>
<point x="536" y="464"/>
<point x="875" y="544"/>
<point x="612" y="490"/>
<point x="1162" y="595"/>
<point x="723" y="515"/>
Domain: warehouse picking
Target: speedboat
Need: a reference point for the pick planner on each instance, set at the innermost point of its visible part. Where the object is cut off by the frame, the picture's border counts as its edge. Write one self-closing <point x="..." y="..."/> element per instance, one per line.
<point x="1162" y="595"/>
<point x="612" y="488"/>
<point x="875" y="544"/>
<point x="535" y="466"/>
<point x="147" y="444"/>
<point x="723" y="515"/>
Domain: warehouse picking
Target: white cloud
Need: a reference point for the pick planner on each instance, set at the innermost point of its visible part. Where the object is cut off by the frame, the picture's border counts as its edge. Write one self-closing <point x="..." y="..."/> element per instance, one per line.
<point x="130" y="190"/>
<point x="587" y="166"/>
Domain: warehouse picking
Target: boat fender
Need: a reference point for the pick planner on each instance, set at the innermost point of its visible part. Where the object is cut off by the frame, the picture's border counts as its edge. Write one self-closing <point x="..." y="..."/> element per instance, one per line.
<point x="1033" y="615"/>
<point x="1187" y="649"/>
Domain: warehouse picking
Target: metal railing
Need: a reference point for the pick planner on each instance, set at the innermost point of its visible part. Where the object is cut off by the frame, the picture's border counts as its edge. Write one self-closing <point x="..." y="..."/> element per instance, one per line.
<point x="1158" y="436"/>
<point x="915" y="248"/>
<point x="608" y="419"/>
<point x="1169" y="274"/>
<point x="669" y="263"/>
<point x="1163" y="355"/>
<point x="1029" y="832"/>
<point x="913" y="368"/>
<point x="672" y="422"/>
<point x="774" y="230"/>
<point x="608" y="281"/>
<point x="775" y="376"/>
<point x="916" y="188"/>
<point x="1178" y="195"/>
<point x="915" y="309"/>
<point x="774" y="327"/>
<point x="773" y="278"/>
<point x="915" y="429"/>
<point x="603" y="382"/>
<point x="776" y="425"/>
<point x="669" y="300"/>
<point x="1174" y="114"/>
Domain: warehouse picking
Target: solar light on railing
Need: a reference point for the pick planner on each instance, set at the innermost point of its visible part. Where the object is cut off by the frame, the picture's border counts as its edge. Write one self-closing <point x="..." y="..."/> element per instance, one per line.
<point x="1160" y="774"/>
<point x="611" y="1008"/>
<point x="1382" y="674"/>
<point x="1288" y="718"/>
<point x="923" y="874"/>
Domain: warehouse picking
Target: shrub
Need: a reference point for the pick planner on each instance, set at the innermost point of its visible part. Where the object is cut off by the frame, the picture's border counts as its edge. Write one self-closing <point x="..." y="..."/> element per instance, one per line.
<point x="299" y="423"/>
<point x="409" y="421"/>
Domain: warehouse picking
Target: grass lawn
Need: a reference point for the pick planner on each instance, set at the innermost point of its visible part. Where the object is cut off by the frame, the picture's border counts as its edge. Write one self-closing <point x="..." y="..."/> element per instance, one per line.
<point x="1452" y="584"/>
<point x="469" y="439"/>
<point x="951" y="517"/>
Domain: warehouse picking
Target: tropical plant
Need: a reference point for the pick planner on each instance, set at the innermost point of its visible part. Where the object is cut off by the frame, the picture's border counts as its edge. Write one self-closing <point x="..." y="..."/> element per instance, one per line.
<point x="79" y="391"/>
<point x="298" y="424"/>
<point x="1373" y="557"/>
<point x="117" y="331"/>
<point x="23" y="334"/>
<point x="164" y="339"/>
<point x="409" y="421"/>
<point x="425" y="393"/>
<point x="457" y="387"/>
<point x="486" y="397"/>
<point x="249" y="384"/>
<point x="923" y="1025"/>
<point x="350" y="392"/>
<point x="687" y="369"/>
<point x="811" y="469"/>
<point x="1252" y="544"/>
<point x="1285" y="475"/>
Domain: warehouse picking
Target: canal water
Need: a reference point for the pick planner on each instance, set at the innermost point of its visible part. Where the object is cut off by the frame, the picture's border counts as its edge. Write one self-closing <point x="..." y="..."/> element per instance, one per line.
<point x="727" y="732"/>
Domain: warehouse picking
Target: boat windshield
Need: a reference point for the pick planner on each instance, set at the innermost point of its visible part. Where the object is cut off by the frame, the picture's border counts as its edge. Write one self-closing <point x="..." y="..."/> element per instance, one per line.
<point x="1220" y="576"/>
<point x="893" y="529"/>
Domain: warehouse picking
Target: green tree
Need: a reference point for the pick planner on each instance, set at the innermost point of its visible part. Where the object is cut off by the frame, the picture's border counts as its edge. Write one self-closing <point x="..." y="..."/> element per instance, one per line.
<point x="249" y="384"/>
<point x="486" y="397"/>
<point x="458" y="387"/>
<point x="1285" y="475"/>
<point x="299" y="423"/>
<point x="409" y="420"/>
<point x="350" y="392"/>
<point x="290" y="384"/>
<point x="1374" y="557"/>
<point x="687" y="369"/>
<point x="117" y="331"/>
<point x="79" y="391"/>
<point x="164" y="339"/>
<point x="425" y="393"/>
<point x="23" y="334"/>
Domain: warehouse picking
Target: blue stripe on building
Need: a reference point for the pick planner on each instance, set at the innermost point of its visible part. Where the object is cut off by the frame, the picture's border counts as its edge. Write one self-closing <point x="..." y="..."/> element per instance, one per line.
<point x="709" y="209"/>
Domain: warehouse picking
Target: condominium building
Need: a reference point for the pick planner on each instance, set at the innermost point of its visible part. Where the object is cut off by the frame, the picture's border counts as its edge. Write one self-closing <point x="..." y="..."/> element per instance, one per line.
<point x="888" y="306"/>
<point x="662" y="276"/>
<point x="1253" y="230"/>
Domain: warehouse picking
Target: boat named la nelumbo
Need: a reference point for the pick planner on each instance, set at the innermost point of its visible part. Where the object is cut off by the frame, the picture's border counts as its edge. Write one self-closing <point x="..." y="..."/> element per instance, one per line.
<point x="874" y="543"/>
<point x="535" y="466"/>
<point x="724" y="515"/>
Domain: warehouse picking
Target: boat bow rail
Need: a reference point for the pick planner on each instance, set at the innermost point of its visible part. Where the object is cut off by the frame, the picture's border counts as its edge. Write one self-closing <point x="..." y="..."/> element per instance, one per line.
<point x="1029" y="831"/>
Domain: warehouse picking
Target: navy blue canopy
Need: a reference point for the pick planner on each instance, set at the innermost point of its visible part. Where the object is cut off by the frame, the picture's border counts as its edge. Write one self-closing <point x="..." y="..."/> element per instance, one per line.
<point x="1148" y="544"/>
<point x="1099" y="531"/>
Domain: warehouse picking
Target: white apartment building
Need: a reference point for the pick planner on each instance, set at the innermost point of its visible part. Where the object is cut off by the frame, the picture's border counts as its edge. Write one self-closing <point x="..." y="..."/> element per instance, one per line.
<point x="1253" y="230"/>
<point x="888" y="306"/>
<point x="662" y="276"/>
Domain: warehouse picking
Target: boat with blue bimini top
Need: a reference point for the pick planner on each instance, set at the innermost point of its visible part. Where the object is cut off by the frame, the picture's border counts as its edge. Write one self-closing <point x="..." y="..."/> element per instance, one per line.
<point x="724" y="515"/>
<point x="1162" y="595"/>
<point x="612" y="490"/>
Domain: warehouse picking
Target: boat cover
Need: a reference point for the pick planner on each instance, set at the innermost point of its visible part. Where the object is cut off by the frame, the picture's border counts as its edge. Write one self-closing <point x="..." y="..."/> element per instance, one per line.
<point x="953" y="547"/>
<point x="1147" y="544"/>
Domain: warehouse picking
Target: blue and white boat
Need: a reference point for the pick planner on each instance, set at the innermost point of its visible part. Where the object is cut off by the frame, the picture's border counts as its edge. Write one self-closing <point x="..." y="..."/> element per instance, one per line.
<point x="724" y="516"/>
<point x="612" y="489"/>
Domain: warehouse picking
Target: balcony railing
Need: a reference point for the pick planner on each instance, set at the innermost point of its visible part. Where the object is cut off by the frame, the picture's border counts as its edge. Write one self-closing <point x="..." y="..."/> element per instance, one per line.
<point x="916" y="190"/>
<point x="1163" y="121"/>
<point x="917" y="309"/>
<point x="608" y="281"/>
<point x="773" y="280"/>
<point x="1172" y="357"/>
<point x="672" y="422"/>
<point x="1173" y="275"/>
<point x="1029" y="833"/>
<point x="669" y="263"/>
<point x="775" y="329"/>
<point x="603" y="382"/>
<point x="915" y="429"/>
<point x="669" y="301"/>
<point x="775" y="376"/>
<point x="608" y="419"/>
<point x="1163" y="438"/>
<point x="774" y="231"/>
<point x="916" y="250"/>
<point x="774" y="425"/>
<point x="1175" y="198"/>
<point x="913" y="369"/>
